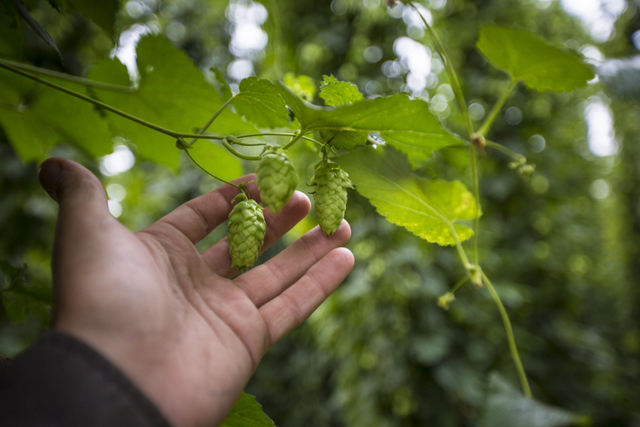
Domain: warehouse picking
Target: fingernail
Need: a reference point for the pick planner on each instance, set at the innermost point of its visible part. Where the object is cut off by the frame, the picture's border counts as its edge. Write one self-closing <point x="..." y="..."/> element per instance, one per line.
<point x="48" y="175"/>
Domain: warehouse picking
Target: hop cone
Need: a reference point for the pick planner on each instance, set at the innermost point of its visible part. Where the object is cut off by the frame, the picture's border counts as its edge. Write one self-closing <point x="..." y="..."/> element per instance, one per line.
<point x="330" y="195"/>
<point x="277" y="179"/>
<point x="246" y="232"/>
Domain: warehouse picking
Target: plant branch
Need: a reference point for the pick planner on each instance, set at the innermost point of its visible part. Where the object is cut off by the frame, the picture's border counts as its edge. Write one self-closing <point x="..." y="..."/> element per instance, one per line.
<point x="496" y="108"/>
<point x="512" y="341"/>
<point x="455" y="83"/>
<point x="68" y="77"/>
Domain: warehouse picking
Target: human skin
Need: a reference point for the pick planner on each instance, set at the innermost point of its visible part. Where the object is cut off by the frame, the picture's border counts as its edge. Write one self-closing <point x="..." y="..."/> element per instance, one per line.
<point x="182" y="325"/>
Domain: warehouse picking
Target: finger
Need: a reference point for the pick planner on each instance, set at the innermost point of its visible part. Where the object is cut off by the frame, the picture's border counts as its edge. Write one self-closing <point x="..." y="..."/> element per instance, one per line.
<point x="80" y="195"/>
<point x="198" y="217"/>
<point x="83" y="216"/>
<point x="295" y="305"/>
<point x="270" y="279"/>
<point x="217" y="256"/>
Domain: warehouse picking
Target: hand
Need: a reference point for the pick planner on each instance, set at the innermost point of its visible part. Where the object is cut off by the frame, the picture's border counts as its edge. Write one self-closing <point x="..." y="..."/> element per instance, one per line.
<point x="172" y="319"/>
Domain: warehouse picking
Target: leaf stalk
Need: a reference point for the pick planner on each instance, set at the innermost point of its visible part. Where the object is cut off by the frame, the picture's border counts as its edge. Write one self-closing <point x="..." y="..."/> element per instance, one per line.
<point x="496" y="108"/>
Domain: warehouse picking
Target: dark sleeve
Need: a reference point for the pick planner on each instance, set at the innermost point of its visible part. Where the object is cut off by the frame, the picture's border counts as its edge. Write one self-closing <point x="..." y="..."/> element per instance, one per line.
<point x="61" y="381"/>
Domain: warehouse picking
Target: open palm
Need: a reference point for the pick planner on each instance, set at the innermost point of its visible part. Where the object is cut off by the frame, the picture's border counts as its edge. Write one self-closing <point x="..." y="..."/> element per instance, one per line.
<point x="174" y="320"/>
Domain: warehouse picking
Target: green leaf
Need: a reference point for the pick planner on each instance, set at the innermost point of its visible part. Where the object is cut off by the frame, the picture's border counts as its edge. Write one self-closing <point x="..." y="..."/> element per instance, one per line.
<point x="260" y="103"/>
<point x="27" y="136"/>
<point x="172" y="93"/>
<point x="216" y="160"/>
<point x="406" y="124"/>
<point x="335" y="92"/>
<point x="528" y="57"/>
<point x="247" y="413"/>
<point x="429" y="209"/>
<point x="507" y="407"/>
<point x="103" y="12"/>
<point x="347" y="140"/>
<point x="43" y="117"/>
<point x="303" y="111"/>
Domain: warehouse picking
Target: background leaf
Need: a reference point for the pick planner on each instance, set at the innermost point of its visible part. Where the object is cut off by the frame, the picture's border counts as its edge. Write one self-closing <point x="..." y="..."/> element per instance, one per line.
<point x="35" y="26"/>
<point x="528" y="57"/>
<point x="103" y="13"/>
<point x="11" y="34"/>
<point x="247" y="413"/>
<point x="172" y="93"/>
<point x="260" y="103"/>
<point x="303" y="86"/>
<point x="42" y="117"/>
<point x="426" y="208"/>
<point x="507" y="407"/>
<point x="216" y="160"/>
<point x="19" y="299"/>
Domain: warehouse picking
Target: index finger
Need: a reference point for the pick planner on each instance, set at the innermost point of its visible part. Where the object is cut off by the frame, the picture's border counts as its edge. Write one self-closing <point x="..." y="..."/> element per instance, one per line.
<point x="200" y="216"/>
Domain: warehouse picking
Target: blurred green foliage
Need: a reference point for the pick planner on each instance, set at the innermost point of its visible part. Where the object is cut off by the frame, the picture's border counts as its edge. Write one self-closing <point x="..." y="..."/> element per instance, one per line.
<point x="560" y="247"/>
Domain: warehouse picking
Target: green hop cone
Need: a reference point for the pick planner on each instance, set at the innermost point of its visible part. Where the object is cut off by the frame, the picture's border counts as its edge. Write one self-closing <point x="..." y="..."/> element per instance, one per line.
<point x="277" y="179"/>
<point x="330" y="195"/>
<point x="246" y="232"/>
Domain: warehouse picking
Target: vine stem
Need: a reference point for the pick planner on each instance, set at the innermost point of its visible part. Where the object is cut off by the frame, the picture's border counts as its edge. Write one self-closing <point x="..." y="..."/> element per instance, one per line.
<point x="295" y="139"/>
<point x="207" y="172"/>
<point x="473" y="270"/>
<point x="290" y="134"/>
<point x="237" y="153"/>
<point x="211" y="120"/>
<point x="68" y="77"/>
<point x="107" y="107"/>
<point x="512" y="341"/>
<point x="457" y="90"/>
<point x="476" y="193"/>
<point x="461" y="253"/>
<point x="462" y="104"/>
<point x="496" y="108"/>
<point x="503" y="312"/>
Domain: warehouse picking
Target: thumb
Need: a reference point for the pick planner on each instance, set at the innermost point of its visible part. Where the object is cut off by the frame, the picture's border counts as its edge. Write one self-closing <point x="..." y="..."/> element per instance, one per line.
<point x="78" y="191"/>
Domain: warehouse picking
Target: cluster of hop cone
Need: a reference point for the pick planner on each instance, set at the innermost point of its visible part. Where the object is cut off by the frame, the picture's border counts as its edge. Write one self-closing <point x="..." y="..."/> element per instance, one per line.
<point x="277" y="180"/>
